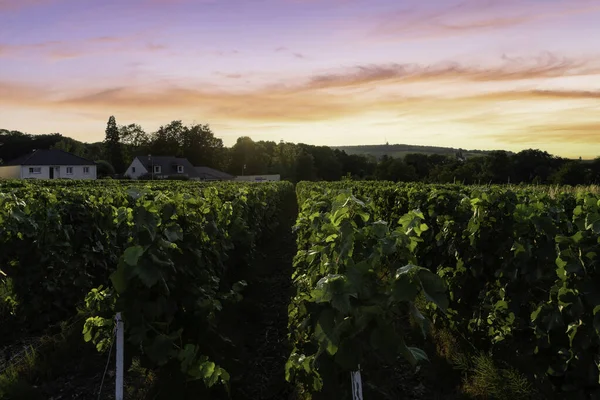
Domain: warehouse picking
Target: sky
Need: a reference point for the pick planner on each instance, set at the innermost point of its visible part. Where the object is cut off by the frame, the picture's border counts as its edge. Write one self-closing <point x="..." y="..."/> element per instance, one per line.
<point x="474" y="74"/>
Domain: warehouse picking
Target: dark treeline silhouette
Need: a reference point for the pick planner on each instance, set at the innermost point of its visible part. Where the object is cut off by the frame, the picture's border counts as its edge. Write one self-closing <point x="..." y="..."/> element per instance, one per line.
<point x="296" y="162"/>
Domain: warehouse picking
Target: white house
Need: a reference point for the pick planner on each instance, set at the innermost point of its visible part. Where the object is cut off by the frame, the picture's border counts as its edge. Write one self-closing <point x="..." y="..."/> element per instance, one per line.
<point x="161" y="167"/>
<point x="48" y="164"/>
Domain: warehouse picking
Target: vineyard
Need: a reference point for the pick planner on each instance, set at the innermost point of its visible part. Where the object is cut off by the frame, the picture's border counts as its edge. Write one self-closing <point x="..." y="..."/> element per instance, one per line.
<point x="431" y="291"/>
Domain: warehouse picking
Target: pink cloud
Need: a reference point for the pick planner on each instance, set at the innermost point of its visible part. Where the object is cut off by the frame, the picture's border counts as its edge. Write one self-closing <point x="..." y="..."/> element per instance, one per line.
<point x="59" y="50"/>
<point x="470" y="16"/>
<point x="546" y="65"/>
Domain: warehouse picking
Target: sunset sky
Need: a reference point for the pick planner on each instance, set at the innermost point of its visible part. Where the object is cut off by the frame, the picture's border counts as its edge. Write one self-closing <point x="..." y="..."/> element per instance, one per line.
<point x="476" y="74"/>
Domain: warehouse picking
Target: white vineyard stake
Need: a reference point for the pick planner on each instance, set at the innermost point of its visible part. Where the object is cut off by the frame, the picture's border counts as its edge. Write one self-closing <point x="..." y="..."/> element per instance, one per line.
<point x="119" y="374"/>
<point x="357" y="393"/>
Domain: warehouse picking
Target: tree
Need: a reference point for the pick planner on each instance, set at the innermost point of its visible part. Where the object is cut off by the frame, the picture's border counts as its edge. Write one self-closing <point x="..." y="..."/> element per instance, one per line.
<point x="305" y="167"/>
<point x="420" y="162"/>
<point x="248" y="157"/>
<point x="571" y="173"/>
<point x="104" y="168"/>
<point x="201" y="147"/>
<point x="358" y="166"/>
<point x="327" y="165"/>
<point x="135" y="141"/>
<point x="498" y="168"/>
<point x="284" y="160"/>
<point x="168" y="140"/>
<point x="17" y="144"/>
<point x="395" y="169"/>
<point x="134" y="135"/>
<point x="595" y="171"/>
<point x="534" y="166"/>
<point x="71" y="146"/>
<point x="112" y="146"/>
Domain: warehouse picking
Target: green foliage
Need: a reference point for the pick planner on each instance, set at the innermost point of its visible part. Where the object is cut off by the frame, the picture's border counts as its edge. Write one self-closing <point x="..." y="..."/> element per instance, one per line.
<point x="104" y="168"/>
<point x="163" y="248"/>
<point x="8" y="299"/>
<point x="356" y="278"/>
<point x="113" y="148"/>
<point x="520" y="265"/>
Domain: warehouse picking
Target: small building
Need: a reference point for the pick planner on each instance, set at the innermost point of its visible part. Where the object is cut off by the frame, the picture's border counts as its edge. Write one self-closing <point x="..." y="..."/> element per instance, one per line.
<point x="211" y="174"/>
<point x="48" y="164"/>
<point x="258" y="178"/>
<point x="161" y="167"/>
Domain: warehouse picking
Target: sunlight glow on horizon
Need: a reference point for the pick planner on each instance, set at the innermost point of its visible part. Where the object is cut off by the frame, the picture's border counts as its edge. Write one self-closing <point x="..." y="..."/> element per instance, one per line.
<point x="485" y="75"/>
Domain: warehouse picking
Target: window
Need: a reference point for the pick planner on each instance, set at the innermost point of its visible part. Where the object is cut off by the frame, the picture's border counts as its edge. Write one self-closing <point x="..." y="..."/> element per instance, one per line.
<point x="35" y="170"/>
<point x="86" y="170"/>
<point x="69" y="170"/>
<point x="180" y="169"/>
<point x="157" y="169"/>
<point x="133" y="170"/>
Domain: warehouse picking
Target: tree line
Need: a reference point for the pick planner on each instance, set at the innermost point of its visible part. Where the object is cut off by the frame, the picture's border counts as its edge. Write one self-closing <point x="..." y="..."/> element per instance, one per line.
<point x="298" y="161"/>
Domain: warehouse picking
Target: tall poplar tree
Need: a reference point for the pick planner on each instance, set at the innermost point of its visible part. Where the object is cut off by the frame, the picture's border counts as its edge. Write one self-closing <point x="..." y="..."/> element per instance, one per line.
<point x="112" y="146"/>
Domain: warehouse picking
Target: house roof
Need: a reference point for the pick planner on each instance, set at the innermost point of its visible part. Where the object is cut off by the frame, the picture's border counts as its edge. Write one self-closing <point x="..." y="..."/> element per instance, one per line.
<point x="168" y="165"/>
<point x="211" y="173"/>
<point x="50" y="157"/>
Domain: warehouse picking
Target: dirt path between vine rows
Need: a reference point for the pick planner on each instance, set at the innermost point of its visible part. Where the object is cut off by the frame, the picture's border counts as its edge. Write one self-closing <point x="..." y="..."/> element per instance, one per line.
<point x="267" y="297"/>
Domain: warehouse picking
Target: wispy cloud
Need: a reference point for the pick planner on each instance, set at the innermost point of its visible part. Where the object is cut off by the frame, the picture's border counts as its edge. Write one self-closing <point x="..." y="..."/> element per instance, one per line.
<point x="470" y="16"/>
<point x="287" y="102"/>
<point x="58" y="50"/>
<point x="560" y="132"/>
<point x="511" y="69"/>
<point x="263" y="105"/>
<point x="229" y="76"/>
<point x="295" y="54"/>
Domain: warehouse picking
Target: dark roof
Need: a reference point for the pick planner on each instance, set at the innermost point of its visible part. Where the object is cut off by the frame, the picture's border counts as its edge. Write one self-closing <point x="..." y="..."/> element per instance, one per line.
<point x="168" y="165"/>
<point x="211" y="173"/>
<point x="50" y="157"/>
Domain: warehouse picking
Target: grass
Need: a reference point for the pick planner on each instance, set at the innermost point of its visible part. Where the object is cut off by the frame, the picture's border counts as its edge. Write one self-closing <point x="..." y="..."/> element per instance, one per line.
<point x="472" y="374"/>
<point x="483" y="376"/>
<point x="14" y="380"/>
<point x="49" y="358"/>
<point x="64" y="364"/>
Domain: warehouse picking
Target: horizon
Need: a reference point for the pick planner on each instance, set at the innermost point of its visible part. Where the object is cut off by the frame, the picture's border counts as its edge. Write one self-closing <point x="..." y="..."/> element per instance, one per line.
<point x="471" y="74"/>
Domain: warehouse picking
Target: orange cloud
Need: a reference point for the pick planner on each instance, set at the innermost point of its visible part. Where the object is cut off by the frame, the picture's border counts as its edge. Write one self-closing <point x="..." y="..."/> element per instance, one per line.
<point x="229" y="76"/>
<point x="545" y="66"/>
<point x="537" y="95"/>
<point x="265" y="104"/>
<point x="584" y="133"/>
<point x="325" y="97"/>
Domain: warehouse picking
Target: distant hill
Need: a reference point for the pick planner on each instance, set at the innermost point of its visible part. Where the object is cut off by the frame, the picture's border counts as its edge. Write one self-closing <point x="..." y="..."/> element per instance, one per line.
<point x="400" y="150"/>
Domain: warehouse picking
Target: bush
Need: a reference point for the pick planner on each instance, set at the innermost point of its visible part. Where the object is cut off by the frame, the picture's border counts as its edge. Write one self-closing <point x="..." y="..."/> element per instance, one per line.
<point x="159" y="253"/>
<point x="104" y="168"/>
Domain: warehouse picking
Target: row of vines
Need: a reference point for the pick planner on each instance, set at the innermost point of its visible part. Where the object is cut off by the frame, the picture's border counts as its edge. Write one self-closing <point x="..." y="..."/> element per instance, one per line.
<point x="164" y="254"/>
<point x="513" y="271"/>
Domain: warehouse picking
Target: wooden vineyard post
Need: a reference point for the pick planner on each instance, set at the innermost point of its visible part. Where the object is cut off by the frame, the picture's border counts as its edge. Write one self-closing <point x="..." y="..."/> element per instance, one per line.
<point x="357" y="393"/>
<point x="119" y="374"/>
